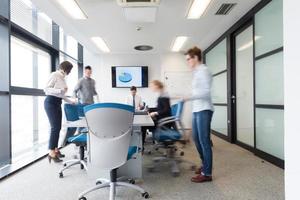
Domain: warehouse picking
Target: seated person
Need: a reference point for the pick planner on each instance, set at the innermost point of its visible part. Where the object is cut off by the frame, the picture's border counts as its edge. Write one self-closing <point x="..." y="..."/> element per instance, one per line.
<point x="163" y="108"/>
<point x="134" y="99"/>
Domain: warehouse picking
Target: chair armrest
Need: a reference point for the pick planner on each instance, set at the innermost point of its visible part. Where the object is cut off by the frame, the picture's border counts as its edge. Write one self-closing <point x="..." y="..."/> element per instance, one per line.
<point x="167" y="122"/>
<point x="166" y="119"/>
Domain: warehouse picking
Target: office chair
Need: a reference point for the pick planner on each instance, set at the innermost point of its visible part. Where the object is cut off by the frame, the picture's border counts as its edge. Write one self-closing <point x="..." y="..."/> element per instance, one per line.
<point x="176" y="119"/>
<point x="168" y="137"/>
<point x="110" y="130"/>
<point x="73" y="113"/>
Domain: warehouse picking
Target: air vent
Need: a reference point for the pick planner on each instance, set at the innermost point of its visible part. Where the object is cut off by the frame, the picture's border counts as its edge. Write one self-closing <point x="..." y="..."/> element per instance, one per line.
<point x="225" y="8"/>
<point x="143" y="48"/>
<point x="138" y="3"/>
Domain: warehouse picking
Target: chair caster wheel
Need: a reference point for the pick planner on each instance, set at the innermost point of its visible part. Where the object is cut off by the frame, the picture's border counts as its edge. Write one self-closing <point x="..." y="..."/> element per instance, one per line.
<point x="150" y="169"/>
<point x="82" y="198"/>
<point x="146" y="195"/>
<point x="182" y="153"/>
<point x="132" y="181"/>
<point x="98" y="183"/>
<point x="61" y="175"/>
<point x="175" y="174"/>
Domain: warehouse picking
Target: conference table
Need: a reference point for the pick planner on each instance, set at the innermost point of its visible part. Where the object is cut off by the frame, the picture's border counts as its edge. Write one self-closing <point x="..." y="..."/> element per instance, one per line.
<point x="133" y="167"/>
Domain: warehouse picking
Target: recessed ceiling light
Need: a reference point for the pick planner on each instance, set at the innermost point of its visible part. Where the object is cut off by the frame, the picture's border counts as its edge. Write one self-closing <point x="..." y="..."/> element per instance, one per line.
<point x="72" y="8"/>
<point x="197" y="8"/>
<point x="100" y="44"/>
<point x="178" y="43"/>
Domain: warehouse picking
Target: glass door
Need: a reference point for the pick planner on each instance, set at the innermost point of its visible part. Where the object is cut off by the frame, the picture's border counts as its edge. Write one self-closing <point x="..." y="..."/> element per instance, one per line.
<point x="244" y="87"/>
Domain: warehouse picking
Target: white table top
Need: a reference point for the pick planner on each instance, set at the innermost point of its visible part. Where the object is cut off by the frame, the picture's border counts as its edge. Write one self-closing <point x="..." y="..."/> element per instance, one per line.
<point x="138" y="120"/>
<point x="142" y="120"/>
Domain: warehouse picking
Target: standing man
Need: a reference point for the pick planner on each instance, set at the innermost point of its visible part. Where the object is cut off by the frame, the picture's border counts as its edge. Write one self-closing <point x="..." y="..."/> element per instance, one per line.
<point x="134" y="99"/>
<point x="202" y="113"/>
<point x="85" y="90"/>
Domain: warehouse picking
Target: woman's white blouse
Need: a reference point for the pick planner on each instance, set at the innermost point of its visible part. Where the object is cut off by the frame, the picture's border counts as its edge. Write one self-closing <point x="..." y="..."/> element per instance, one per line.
<point x="56" y="85"/>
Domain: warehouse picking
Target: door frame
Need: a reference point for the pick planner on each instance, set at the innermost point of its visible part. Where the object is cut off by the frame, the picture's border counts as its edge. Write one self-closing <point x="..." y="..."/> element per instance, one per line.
<point x="232" y="97"/>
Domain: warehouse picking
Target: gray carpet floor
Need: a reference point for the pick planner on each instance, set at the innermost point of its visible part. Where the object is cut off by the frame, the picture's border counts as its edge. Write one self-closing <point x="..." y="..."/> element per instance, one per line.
<point x="238" y="175"/>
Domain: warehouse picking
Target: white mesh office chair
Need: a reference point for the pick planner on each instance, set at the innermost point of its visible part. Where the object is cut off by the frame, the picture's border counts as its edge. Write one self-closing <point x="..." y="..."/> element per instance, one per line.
<point x="110" y="130"/>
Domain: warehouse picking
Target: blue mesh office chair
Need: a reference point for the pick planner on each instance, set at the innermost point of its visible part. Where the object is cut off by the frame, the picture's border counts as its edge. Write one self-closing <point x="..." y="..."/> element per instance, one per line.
<point x="167" y="139"/>
<point x="73" y="113"/>
<point x="110" y="130"/>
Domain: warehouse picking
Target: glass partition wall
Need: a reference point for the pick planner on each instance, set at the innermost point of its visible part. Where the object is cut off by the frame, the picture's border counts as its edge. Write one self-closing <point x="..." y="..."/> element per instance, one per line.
<point x="216" y="60"/>
<point x="269" y="94"/>
<point x="30" y="51"/>
<point x="248" y="82"/>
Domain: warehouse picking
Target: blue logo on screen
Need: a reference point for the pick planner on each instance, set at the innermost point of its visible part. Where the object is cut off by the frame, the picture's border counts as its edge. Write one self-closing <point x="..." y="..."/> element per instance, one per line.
<point x="125" y="77"/>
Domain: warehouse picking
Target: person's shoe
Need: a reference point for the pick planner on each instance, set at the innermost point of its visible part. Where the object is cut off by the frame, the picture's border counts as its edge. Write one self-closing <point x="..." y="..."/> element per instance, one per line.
<point x="55" y="159"/>
<point x="199" y="170"/>
<point x="201" y="179"/>
<point x="60" y="155"/>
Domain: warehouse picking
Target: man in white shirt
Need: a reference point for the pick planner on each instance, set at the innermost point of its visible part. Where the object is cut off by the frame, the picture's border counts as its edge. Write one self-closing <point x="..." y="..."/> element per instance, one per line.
<point x="134" y="100"/>
<point x="202" y="113"/>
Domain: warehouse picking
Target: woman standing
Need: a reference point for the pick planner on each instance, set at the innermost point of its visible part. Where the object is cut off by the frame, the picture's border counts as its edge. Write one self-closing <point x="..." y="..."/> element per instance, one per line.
<point x="55" y="91"/>
<point x="202" y="113"/>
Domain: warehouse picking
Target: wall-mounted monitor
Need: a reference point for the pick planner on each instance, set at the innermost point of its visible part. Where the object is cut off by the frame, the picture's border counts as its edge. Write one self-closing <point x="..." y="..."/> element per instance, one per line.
<point x="127" y="76"/>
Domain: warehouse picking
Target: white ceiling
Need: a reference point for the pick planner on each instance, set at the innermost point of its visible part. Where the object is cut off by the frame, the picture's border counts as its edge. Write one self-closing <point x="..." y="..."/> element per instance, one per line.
<point x="107" y="20"/>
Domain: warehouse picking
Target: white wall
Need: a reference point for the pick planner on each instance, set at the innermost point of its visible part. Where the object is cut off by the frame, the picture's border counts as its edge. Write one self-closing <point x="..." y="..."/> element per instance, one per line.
<point x="102" y="74"/>
<point x="292" y="97"/>
<point x="175" y="64"/>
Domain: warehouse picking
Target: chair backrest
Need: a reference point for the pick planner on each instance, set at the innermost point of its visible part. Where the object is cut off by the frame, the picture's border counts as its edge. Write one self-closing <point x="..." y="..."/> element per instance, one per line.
<point x="80" y="110"/>
<point x="177" y="109"/>
<point x="71" y="112"/>
<point x="110" y="128"/>
<point x="106" y="120"/>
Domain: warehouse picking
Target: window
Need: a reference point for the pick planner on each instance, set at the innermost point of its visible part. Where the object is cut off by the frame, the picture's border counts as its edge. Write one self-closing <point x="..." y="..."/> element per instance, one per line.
<point x="68" y="44"/>
<point x="30" y="129"/>
<point x="25" y="14"/>
<point x="30" y="66"/>
<point x="25" y="67"/>
<point x="72" y="78"/>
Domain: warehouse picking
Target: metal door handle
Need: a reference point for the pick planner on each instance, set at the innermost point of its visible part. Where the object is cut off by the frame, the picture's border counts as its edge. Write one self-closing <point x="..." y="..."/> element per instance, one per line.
<point x="233" y="98"/>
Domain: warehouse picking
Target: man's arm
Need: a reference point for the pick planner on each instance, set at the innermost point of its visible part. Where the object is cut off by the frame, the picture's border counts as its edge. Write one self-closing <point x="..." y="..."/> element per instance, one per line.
<point x="77" y="88"/>
<point x="95" y="91"/>
<point x="94" y="88"/>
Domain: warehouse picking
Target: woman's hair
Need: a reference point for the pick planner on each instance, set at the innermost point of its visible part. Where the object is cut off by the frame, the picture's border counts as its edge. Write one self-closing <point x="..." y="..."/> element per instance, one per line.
<point x="195" y="51"/>
<point x="66" y="66"/>
<point x="158" y="84"/>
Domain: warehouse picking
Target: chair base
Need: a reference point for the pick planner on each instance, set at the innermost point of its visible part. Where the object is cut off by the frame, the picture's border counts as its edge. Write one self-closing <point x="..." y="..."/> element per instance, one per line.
<point x="112" y="185"/>
<point x="171" y="158"/>
<point x="70" y="163"/>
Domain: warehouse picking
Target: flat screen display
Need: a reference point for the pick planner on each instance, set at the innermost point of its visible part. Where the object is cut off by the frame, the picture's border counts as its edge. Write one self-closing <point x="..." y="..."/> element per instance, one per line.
<point x="127" y="76"/>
